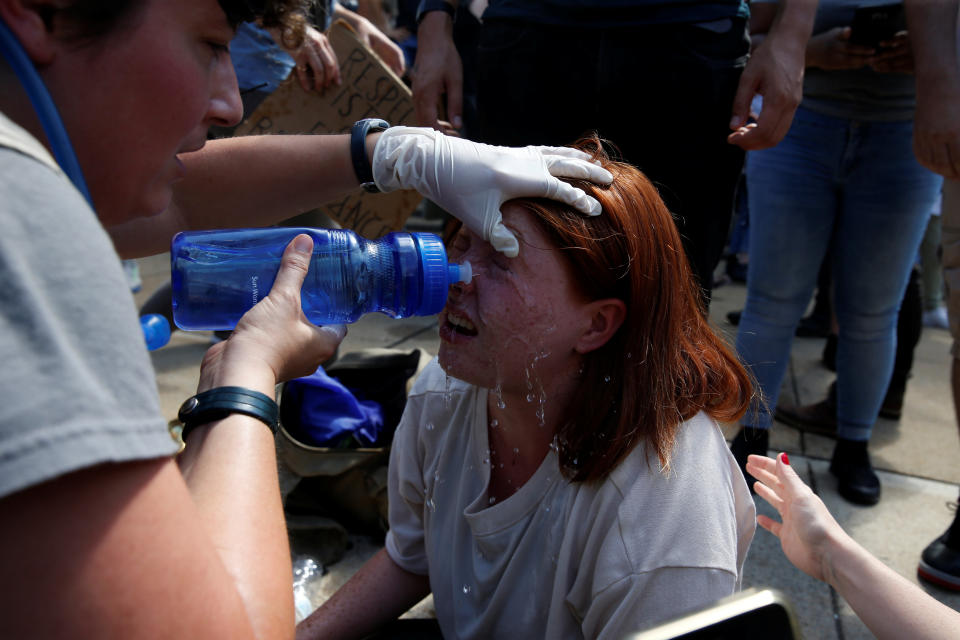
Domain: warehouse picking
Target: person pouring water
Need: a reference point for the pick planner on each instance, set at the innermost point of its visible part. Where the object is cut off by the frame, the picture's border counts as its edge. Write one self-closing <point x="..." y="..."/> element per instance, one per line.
<point x="107" y="534"/>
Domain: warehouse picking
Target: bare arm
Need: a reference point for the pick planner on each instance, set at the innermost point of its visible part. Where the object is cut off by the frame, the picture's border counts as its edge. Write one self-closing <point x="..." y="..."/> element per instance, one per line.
<point x="775" y="71"/>
<point x="437" y="71"/>
<point x="890" y="605"/>
<point x="348" y="614"/>
<point x="932" y="27"/>
<point x="250" y="181"/>
<point x="139" y="550"/>
<point x="374" y="37"/>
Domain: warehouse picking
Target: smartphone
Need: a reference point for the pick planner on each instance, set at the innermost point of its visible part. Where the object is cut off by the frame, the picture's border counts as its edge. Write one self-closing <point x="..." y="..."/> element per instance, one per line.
<point x="873" y="24"/>
<point x="752" y="613"/>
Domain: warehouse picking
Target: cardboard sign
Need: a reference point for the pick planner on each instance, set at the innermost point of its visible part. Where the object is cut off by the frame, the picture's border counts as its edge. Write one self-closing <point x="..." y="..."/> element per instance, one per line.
<point x="368" y="89"/>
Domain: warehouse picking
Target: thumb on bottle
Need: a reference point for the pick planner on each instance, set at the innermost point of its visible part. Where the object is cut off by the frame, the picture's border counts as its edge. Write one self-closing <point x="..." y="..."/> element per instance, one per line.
<point x="294" y="264"/>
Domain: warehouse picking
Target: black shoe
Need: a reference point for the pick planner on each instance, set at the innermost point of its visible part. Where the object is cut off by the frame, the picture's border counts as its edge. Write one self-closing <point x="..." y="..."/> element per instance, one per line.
<point x="819" y="418"/>
<point x="856" y="480"/>
<point x="749" y="441"/>
<point x="829" y="356"/>
<point x="733" y="317"/>
<point x="736" y="269"/>
<point x="892" y="407"/>
<point x="940" y="561"/>
<point x="813" y="326"/>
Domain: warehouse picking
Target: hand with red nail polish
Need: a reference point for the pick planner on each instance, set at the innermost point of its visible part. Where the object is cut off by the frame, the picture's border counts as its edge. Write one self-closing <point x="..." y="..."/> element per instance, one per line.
<point x="889" y="604"/>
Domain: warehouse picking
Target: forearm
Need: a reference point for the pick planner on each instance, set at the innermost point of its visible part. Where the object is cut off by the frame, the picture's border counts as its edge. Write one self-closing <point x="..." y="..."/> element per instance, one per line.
<point x="249" y="181"/>
<point x="932" y="25"/>
<point x="230" y="469"/>
<point x="890" y="605"/>
<point x="348" y="613"/>
<point x="793" y="22"/>
<point x="232" y="478"/>
<point x="260" y="180"/>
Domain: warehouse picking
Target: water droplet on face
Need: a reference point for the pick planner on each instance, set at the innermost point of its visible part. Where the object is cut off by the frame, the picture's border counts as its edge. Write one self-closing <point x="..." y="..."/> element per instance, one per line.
<point x="494" y="423"/>
<point x="629" y="355"/>
<point x="466" y="589"/>
<point x="529" y="397"/>
<point x="516" y="450"/>
<point x="429" y="426"/>
<point x="606" y="378"/>
<point x="501" y="465"/>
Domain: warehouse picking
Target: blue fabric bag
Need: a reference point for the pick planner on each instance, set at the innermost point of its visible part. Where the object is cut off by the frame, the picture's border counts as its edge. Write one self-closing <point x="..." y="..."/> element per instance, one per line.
<point x="328" y="414"/>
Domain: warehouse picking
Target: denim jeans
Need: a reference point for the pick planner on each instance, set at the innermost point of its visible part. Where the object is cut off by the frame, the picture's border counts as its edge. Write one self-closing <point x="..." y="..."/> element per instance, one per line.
<point x="859" y="184"/>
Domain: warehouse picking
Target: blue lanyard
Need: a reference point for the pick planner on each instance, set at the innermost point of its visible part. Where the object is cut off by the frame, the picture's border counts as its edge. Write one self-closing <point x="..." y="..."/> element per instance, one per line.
<point x="46" y="110"/>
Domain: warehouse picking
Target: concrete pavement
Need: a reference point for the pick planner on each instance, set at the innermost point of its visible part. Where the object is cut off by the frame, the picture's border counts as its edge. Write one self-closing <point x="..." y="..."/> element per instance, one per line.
<point x="918" y="458"/>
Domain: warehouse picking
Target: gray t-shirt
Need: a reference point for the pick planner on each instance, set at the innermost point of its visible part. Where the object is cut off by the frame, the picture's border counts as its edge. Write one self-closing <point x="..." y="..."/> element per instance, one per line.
<point x="858" y="94"/>
<point x="77" y="387"/>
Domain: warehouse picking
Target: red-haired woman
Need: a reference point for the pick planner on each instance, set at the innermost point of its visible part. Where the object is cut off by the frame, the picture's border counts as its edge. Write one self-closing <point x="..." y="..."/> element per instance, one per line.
<point x="559" y="472"/>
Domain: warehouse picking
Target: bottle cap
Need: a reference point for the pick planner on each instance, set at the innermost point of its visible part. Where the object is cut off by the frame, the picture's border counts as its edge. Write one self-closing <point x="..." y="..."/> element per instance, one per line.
<point x="433" y="262"/>
<point x="156" y="330"/>
<point x="459" y="272"/>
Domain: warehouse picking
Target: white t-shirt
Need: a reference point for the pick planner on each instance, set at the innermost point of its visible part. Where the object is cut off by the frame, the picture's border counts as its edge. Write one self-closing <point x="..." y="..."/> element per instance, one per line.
<point x="560" y="559"/>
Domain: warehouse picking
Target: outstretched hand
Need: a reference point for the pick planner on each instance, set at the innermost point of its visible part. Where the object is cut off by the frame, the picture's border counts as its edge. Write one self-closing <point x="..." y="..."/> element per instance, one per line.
<point x="471" y="181"/>
<point x="274" y="341"/>
<point x="807" y="531"/>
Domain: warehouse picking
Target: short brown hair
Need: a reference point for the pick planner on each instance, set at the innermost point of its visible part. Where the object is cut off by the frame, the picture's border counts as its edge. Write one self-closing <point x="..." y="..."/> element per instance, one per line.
<point x="665" y="363"/>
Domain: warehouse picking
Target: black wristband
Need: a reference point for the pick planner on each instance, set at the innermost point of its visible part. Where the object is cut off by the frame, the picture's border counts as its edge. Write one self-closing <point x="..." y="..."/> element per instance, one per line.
<point x="358" y="150"/>
<point x="426" y="6"/>
<point x="216" y="404"/>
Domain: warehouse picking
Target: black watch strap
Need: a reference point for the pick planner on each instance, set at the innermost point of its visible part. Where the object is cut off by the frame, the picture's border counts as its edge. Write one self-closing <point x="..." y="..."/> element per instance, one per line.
<point x="358" y="150"/>
<point x="426" y="6"/>
<point x="216" y="404"/>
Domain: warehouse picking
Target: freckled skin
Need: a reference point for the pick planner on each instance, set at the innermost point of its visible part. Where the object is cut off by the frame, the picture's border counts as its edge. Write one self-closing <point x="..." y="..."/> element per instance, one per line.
<point x="520" y="306"/>
<point x="528" y="317"/>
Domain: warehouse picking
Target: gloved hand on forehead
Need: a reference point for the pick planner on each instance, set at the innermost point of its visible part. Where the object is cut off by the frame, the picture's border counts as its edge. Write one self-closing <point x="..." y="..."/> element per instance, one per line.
<point x="471" y="180"/>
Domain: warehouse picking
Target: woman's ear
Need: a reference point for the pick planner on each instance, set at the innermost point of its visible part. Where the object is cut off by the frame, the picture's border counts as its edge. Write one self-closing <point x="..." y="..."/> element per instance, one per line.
<point x="606" y="316"/>
<point x="25" y="21"/>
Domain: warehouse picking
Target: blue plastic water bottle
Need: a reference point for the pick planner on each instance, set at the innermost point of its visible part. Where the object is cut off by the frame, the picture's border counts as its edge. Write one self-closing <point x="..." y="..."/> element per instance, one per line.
<point x="219" y="275"/>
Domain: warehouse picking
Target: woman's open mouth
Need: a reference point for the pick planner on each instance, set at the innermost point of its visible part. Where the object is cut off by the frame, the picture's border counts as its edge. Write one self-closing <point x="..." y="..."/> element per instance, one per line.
<point x="461" y="325"/>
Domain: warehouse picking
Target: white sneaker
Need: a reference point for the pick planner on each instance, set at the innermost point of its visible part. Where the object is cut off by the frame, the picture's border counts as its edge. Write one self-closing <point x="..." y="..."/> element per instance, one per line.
<point x="936" y="318"/>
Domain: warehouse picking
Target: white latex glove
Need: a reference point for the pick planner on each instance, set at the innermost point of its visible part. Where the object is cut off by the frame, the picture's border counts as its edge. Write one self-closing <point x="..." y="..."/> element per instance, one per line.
<point x="472" y="180"/>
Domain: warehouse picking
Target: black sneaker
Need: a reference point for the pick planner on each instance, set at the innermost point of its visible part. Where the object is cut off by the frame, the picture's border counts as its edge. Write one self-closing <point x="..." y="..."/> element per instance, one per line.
<point x="856" y="480"/>
<point x="940" y="561"/>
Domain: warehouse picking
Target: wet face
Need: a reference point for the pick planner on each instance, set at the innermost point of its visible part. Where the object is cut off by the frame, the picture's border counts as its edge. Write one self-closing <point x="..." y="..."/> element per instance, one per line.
<point x="514" y="326"/>
<point x="139" y="96"/>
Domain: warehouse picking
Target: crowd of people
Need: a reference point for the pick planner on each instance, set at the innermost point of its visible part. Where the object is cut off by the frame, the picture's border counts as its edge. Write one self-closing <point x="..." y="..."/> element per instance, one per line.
<point x="558" y="470"/>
